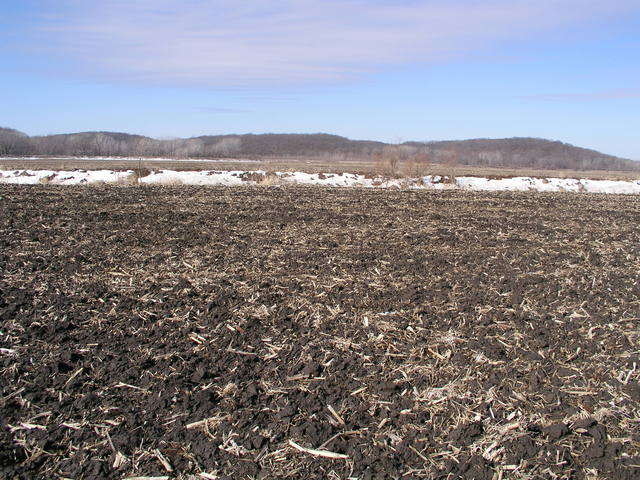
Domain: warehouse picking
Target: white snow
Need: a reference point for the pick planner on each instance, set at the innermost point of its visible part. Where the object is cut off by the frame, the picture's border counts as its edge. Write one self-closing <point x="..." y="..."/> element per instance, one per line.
<point x="550" y="185"/>
<point x="61" y="177"/>
<point x="241" y="177"/>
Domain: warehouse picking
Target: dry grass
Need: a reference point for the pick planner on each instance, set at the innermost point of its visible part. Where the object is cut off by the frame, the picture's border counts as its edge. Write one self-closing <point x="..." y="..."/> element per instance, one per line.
<point x="269" y="179"/>
<point x="131" y="179"/>
<point x="366" y="166"/>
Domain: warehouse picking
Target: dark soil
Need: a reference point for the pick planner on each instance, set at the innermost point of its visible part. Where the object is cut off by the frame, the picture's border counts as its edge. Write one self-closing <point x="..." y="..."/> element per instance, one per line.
<point x="195" y="332"/>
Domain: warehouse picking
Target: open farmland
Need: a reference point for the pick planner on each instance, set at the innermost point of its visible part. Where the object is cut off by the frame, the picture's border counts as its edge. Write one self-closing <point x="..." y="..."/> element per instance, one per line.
<point x="364" y="166"/>
<point x="253" y="332"/>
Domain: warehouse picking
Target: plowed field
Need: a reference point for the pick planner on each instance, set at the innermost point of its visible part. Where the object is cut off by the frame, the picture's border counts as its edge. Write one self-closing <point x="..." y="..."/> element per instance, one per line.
<point x="254" y="333"/>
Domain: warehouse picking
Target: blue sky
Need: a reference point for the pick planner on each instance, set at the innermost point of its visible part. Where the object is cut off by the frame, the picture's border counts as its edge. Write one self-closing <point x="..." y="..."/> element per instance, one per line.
<point x="385" y="70"/>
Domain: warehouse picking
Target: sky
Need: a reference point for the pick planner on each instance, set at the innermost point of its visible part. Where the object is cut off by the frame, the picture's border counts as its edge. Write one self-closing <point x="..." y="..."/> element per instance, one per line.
<point x="381" y="70"/>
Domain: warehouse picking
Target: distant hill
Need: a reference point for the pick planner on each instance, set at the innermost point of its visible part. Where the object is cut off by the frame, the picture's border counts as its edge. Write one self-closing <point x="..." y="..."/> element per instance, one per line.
<point x="511" y="152"/>
<point x="290" y="144"/>
<point x="524" y="153"/>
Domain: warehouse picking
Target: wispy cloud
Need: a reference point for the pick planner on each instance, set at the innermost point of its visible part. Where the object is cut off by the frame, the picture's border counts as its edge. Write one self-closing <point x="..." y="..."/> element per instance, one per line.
<point x="617" y="94"/>
<point x="279" y="42"/>
<point x="221" y="110"/>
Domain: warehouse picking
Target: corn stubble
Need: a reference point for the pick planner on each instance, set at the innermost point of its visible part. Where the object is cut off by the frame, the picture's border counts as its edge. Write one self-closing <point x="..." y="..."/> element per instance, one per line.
<point x="185" y="332"/>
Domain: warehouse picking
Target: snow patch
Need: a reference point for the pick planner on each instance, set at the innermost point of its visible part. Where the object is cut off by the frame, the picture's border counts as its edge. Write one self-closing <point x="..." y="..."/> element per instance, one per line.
<point x="62" y="177"/>
<point x="256" y="177"/>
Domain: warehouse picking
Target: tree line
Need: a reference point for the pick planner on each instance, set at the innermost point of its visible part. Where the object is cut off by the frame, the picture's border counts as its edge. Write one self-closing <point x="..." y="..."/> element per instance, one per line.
<point x="511" y="152"/>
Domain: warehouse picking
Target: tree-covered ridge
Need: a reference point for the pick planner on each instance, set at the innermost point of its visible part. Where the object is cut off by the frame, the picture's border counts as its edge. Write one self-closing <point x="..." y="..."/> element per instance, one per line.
<point x="510" y="152"/>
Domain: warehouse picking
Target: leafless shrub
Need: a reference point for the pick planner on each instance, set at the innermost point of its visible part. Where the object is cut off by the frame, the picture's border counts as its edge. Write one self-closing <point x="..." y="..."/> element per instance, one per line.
<point x="46" y="180"/>
<point x="387" y="163"/>
<point x="269" y="179"/>
<point x="257" y="177"/>
<point x="130" y="179"/>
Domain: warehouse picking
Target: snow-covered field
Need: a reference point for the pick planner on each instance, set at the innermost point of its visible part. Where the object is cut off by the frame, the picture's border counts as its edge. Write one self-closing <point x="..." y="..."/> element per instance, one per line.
<point x="238" y="177"/>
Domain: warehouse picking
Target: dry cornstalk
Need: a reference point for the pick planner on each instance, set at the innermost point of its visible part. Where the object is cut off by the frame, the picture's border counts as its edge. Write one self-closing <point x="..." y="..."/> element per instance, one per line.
<point x="119" y="460"/>
<point x="319" y="453"/>
<point x="204" y="423"/>
<point x="74" y="375"/>
<point x="147" y="478"/>
<point x="163" y="460"/>
<point x="336" y="415"/>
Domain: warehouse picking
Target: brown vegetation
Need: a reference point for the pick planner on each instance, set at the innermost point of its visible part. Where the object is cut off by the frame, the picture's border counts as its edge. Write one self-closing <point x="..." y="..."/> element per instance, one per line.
<point x="407" y="168"/>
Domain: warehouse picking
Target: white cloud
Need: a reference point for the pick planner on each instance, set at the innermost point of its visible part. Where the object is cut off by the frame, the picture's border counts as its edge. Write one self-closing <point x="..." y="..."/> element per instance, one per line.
<point x="280" y="42"/>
